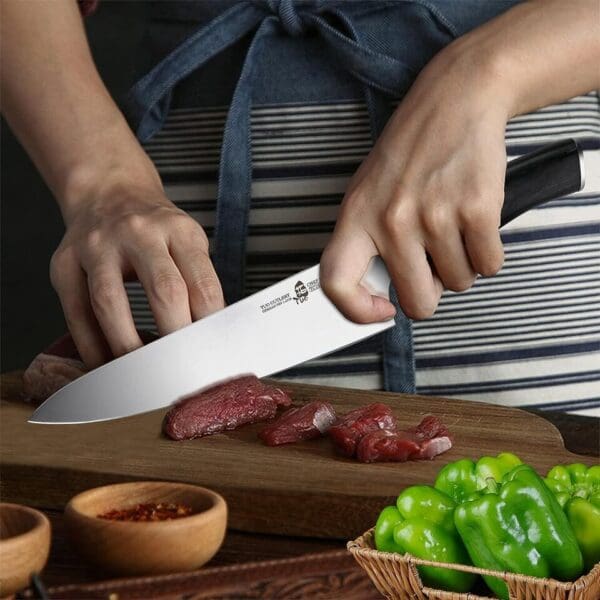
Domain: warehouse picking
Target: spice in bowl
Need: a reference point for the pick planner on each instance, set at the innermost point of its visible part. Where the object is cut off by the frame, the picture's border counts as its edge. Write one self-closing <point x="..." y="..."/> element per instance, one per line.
<point x="151" y="511"/>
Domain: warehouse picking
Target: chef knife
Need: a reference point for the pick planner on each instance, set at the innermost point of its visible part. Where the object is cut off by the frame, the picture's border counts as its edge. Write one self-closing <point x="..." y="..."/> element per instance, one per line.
<point x="281" y="326"/>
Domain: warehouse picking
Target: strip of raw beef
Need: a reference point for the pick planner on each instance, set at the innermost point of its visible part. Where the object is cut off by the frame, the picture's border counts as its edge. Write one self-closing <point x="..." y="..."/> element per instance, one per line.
<point x="224" y="406"/>
<point x="386" y="445"/>
<point x="351" y="427"/>
<point x="428" y="439"/>
<point x="430" y="427"/>
<point x="56" y="366"/>
<point x="52" y="369"/>
<point x="299" y="423"/>
<point x="433" y="437"/>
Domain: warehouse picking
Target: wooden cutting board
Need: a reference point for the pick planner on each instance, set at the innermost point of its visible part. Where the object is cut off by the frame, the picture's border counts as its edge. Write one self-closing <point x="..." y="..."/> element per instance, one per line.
<point x="299" y="489"/>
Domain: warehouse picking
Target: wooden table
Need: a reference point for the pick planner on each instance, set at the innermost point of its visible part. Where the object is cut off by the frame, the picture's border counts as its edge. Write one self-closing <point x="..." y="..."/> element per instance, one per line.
<point x="581" y="435"/>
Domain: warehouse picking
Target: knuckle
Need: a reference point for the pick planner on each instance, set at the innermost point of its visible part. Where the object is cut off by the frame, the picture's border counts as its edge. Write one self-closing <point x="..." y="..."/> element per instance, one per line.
<point x="93" y="240"/>
<point x="331" y="284"/>
<point x="435" y="219"/>
<point x="134" y="226"/>
<point x="335" y="290"/>
<point x="329" y="287"/>
<point x="178" y="222"/>
<point x="168" y="287"/>
<point x="477" y="214"/>
<point x="395" y="218"/>
<point x="134" y="223"/>
<point x="197" y="236"/>
<point x="202" y="239"/>
<point x="328" y="279"/>
<point x="183" y="221"/>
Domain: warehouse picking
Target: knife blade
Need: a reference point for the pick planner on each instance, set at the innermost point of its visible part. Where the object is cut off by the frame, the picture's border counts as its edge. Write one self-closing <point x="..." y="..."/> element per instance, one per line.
<point x="279" y="327"/>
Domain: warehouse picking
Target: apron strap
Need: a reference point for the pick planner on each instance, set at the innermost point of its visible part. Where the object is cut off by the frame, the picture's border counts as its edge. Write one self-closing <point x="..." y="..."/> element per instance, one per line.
<point x="235" y="175"/>
<point x="147" y="103"/>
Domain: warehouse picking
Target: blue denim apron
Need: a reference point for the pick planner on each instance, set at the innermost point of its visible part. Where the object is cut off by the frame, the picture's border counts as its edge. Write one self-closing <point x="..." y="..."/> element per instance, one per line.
<point x="241" y="53"/>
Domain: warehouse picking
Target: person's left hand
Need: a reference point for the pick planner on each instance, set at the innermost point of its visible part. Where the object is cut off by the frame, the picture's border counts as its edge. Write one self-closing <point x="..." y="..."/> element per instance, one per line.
<point x="428" y="196"/>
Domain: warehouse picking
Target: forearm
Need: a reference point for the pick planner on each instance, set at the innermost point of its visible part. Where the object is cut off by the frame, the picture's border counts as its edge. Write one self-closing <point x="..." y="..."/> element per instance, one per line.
<point x="57" y="105"/>
<point x="538" y="53"/>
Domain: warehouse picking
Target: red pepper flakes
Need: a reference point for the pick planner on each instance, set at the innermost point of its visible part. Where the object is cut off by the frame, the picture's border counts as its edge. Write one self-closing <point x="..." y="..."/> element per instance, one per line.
<point x="163" y="511"/>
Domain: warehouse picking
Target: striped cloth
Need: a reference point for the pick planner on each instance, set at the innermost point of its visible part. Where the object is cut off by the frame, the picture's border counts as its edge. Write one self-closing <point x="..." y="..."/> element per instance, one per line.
<point x="528" y="337"/>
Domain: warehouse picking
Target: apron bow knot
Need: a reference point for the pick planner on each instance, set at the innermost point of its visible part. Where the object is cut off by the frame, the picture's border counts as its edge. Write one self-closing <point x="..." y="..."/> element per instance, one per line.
<point x="289" y="19"/>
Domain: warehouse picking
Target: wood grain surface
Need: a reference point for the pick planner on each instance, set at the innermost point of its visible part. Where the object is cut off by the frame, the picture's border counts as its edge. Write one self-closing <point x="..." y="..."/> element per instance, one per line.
<point x="300" y="489"/>
<point x="322" y="576"/>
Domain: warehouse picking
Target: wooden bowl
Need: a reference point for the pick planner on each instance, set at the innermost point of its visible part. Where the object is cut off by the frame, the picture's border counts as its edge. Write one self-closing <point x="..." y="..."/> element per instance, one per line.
<point x="141" y="548"/>
<point x="24" y="546"/>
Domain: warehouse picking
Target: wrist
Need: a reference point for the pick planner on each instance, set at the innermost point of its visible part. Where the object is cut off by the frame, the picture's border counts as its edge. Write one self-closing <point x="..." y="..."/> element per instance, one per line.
<point x="486" y="72"/>
<point x="535" y="54"/>
<point x="106" y="178"/>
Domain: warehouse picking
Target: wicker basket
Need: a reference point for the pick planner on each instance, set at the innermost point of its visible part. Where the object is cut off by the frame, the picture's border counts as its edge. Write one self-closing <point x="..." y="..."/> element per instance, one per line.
<point x="396" y="577"/>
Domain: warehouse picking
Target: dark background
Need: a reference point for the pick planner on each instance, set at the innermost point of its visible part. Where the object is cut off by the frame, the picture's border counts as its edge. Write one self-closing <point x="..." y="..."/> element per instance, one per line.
<point x="31" y="224"/>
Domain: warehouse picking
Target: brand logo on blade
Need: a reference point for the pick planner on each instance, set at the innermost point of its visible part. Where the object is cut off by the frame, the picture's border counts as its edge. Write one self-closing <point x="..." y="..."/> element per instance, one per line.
<point x="301" y="291"/>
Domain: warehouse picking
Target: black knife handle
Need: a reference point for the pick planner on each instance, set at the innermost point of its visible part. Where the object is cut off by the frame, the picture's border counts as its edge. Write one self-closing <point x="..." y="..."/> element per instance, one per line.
<point x="551" y="172"/>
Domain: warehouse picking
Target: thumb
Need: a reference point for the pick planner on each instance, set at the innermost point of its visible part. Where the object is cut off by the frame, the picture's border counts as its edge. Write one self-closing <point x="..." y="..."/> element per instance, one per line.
<point x="344" y="262"/>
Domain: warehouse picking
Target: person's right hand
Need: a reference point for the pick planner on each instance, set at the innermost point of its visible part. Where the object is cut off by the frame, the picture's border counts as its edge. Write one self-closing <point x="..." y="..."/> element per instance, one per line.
<point x="124" y="233"/>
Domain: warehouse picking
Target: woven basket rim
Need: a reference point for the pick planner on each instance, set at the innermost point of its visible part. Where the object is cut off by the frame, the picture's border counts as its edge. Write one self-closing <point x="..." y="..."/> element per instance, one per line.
<point x="362" y="546"/>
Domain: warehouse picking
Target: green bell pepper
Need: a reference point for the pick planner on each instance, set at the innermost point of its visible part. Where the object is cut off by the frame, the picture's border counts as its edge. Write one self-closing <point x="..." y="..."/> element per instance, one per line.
<point x="518" y="526"/>
<point x="464" y="477"/>
<point x="577" y="489"/>
<point x="422" y="524"/>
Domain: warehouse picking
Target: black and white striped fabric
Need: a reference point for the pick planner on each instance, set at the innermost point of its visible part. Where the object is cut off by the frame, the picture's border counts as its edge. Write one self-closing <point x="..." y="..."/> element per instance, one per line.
<point x="528" y="337"/>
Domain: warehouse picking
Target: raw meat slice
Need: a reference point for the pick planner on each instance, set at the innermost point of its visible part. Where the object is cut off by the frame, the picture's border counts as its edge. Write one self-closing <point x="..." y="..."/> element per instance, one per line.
<point x="430" y="427"/>
<point x="50" y="370"/>
<point x="428" y="439"/>
<point x="56" y="366"/>
<point x="384" y="445"/>
<point x="299" y="423"/>
<point x="351" y="427"/>
<point x="224" y="406"/>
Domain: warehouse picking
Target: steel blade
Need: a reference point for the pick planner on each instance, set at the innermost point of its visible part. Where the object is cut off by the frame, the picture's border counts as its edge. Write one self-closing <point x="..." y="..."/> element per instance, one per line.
<point x="270" y="331"/>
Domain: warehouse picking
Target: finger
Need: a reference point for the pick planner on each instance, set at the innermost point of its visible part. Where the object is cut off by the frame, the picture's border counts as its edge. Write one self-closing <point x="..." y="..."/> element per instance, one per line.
<point x="450" y="260"/>
<point x="70" y="283"/>
<point x="190" y="255"/>
<point x="482" y="239"/>
<point x="343" y="264"/>
<point x="417" y="287"/>
<point x="164" y="286"/>
<point x="111" y="307"/>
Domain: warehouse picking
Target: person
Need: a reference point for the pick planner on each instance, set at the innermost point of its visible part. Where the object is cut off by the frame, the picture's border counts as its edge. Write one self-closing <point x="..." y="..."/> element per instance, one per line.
<point x="309" y="87"/>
